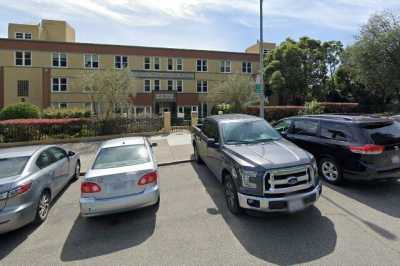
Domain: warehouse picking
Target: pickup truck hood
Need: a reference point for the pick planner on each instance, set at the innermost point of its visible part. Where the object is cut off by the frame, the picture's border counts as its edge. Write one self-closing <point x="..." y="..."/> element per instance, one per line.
<point x="274" y="154"/>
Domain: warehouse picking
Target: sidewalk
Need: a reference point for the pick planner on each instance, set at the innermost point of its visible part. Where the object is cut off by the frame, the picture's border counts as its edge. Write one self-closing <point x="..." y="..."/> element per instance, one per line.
<point x="173" y="148"/>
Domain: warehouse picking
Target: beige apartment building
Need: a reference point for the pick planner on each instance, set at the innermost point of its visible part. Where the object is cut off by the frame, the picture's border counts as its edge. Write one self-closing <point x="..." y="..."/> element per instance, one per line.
<point x="39" y="63"/>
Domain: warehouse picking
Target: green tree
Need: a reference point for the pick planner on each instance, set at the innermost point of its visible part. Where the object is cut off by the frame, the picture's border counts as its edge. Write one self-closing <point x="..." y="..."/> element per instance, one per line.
<point x="238" y="91"/>
<point x="375" y="59"/>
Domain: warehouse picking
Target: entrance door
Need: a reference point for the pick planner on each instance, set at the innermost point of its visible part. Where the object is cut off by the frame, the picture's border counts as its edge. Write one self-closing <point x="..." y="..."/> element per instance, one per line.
<point x="187" y="112"/>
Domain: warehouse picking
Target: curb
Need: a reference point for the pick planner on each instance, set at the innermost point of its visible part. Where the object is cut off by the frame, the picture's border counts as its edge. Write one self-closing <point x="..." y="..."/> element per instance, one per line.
<point x="161" y="164"/>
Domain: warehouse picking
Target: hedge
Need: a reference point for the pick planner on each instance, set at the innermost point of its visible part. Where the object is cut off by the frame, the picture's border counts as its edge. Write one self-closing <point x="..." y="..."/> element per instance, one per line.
<point x="274" y="113"/>
<point x="55" y="113"/>
<point x="41" y="129"/>
<point x="20" y="110"/>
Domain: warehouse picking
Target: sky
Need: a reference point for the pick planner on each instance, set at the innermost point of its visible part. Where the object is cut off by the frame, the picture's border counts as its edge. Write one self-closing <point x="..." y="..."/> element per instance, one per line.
<point x="230" y="25"/>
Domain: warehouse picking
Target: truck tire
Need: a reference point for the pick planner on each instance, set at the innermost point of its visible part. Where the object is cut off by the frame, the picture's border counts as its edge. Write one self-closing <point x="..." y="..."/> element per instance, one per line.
<point x="231" y="197"/>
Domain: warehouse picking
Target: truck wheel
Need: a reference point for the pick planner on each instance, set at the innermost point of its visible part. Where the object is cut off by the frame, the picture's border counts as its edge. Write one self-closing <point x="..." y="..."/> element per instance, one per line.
<point x="43" y="207"/>
<point x="330" y="171"/>
<point x="196" y="155"/>
<point x="231" y="196"/>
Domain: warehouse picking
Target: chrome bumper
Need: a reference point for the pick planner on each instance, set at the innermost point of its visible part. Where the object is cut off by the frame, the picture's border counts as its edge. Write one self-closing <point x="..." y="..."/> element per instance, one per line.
<point x="96" y="207"/>
<point x="268" y="204"/>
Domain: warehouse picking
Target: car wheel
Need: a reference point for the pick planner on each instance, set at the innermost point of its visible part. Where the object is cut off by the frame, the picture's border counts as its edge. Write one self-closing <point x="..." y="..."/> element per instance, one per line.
<point x="330" y="170"/>
<point x="77" y="172"/>
<point x="43" y="207"/>
<point x="231" y="197"/>
<point x="196" y="155"/>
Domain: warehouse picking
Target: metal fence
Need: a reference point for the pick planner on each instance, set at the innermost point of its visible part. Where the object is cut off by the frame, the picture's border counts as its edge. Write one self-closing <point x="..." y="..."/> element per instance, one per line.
<point x="178" y="124"/>
<point x="76" y="129"/>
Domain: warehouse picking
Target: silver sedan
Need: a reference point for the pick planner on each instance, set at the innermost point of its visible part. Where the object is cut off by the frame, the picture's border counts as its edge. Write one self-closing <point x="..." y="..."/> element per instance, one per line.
<point x="123" y="177"/>
<point x="30" y="177"/>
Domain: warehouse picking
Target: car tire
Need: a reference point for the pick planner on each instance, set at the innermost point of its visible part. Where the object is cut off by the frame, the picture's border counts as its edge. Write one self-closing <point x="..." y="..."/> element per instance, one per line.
<point x="330" y="170"/>
<point x="43" y="207"/>
<point x="77" y="172"/>
<point x="231" y="196"/>
<point x="197" y="157"/>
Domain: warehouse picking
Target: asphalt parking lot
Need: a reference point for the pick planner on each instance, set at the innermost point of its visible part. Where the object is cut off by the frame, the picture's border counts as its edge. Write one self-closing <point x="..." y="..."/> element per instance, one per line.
<point x="353" y="225"/>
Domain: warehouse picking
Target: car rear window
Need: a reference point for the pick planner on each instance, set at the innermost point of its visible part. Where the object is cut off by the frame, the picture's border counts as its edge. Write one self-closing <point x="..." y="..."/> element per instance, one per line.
<point x="383" y="133"/>
<point x="121" y="156"/>
<point x="12" y="166"/>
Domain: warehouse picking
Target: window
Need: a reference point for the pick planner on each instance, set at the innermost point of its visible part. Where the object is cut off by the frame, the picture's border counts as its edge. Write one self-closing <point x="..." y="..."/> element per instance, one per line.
<point x="44" y="159"/>
<point x="179" y="64"/>
<point x="91" y="61"/>
<point x="203" y="110"/>
<point x="60" y="84"/>
<point x="225" y="66"/>
<point x="59" y="60"/>
<point x="23" y="88"/>
<point x="305" y="127"/>
<point x="202" y="65"/>
<point x="194" y="108"/>
<point x="156" y="63"/>
<point x="147" y="85"/>
<point x="283" y="125"/>
<point x="12" y="166"/>
<point x="147" y="63"/>
<point x="334" y="131"/>
<point x="121" y="62"/>
<point x="246" y="67"/>
<point x="28" y="36"/>
<point x="180" y="109"/>
<point x="202" y="86"/>
<point x="23" y="58"/>
<point x="148" y="110"/>
<point x="170" y="85"/>
<point x="157" y="85"/>
<point x="170" y="66"/>
<point x="179" y="85"/>
<point x="265" y="51"/>
<point x="62" y="105"/>
<point x="120" y="156"/>
<point x="19" y="35"/>
<point x="57" y="153"/>
<point x="211" y="130"/>
<point x="383" y="133"/>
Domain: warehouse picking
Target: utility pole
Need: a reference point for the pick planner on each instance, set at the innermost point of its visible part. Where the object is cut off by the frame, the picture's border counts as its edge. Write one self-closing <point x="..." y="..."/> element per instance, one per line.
<point x="262" y="95"/>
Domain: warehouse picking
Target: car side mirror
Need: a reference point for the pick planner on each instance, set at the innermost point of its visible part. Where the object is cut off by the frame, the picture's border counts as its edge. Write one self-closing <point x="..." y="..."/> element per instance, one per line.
<point x="71" y="153"/>
<point x="153" y="144"/>
<point x="211" y="142"/>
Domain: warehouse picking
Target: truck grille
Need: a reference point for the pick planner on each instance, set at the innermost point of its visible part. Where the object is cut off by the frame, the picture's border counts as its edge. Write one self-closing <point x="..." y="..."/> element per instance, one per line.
<point x="288" y="180"/>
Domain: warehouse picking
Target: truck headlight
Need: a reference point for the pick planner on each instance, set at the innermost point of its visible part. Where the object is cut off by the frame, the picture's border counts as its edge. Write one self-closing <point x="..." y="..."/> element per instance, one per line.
<point x="248" y="178"/>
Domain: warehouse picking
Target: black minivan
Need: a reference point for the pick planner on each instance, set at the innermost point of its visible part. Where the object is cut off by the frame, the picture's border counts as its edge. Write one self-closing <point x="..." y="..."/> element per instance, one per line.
<point x="359" y="147"/>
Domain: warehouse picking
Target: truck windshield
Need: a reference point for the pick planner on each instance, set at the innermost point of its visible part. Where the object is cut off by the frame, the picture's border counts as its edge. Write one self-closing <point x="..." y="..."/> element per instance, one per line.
<point x="248" y="132"/>
<point x="12" y="166"/>
<point x="121" y="156"/>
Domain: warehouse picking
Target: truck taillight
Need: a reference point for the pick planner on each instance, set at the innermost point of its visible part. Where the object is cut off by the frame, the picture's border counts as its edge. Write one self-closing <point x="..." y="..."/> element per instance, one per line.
<point x="148" y="179"/>
<point x="20" y="190"/>
<point x="367" y="149"/>
<point x="90" y="187"/>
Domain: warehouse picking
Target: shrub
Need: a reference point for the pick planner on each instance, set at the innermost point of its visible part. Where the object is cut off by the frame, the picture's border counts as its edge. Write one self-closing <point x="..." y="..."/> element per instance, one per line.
<point x="20" y="111"/>
<point x="312" y="108"/>
<point x="223" y="107"/>
<point x="56" y="113"/>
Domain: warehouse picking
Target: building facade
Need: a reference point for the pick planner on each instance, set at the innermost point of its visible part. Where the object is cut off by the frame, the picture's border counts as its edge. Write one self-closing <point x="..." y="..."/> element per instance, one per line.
<point x="38" y="64"/>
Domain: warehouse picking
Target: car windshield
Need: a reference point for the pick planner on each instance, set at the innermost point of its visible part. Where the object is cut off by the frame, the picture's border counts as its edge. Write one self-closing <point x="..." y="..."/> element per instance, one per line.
<point x="121" y="156"/>
<point x="248" y="132"/>
<point x="12" y="166"/>
<point x="384" y="134"/>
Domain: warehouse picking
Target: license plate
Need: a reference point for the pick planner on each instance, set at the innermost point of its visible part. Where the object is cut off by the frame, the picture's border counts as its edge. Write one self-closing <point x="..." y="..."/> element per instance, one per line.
<point x="396" y="159"/>
<point x="119" y="186"/>
<point x="295" y="205"/>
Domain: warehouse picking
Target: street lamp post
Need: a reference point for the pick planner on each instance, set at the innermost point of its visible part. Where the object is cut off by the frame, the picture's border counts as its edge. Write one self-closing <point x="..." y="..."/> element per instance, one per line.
<point x="262" y="95"/>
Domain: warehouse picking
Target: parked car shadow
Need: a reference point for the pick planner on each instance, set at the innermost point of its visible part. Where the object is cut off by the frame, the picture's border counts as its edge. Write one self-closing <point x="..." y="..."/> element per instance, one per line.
<point x="96" y="236"/>
<point x="12" y="240"/>
<point x="283" y="239"/>
<point x="382" y="196"/>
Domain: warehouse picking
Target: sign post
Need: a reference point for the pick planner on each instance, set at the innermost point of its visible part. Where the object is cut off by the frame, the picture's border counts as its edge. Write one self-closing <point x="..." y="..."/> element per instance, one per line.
<point x="260" y="81"/>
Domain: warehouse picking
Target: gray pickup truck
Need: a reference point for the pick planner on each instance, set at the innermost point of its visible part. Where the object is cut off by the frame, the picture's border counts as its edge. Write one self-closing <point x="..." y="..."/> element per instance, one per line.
<point x="258" y="168"/>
